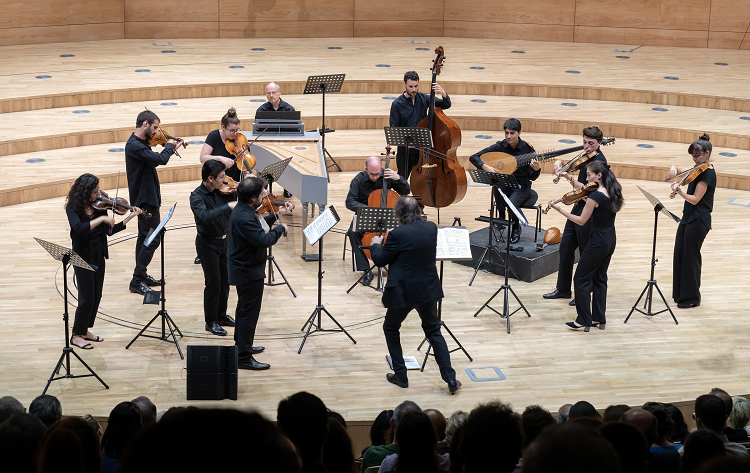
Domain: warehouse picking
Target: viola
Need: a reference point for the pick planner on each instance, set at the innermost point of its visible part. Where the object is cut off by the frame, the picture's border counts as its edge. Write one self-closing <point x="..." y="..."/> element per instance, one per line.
<point x="228" y="186"/>
<point x="380" y="198"/>
<point x="579" y="161"/>
<point x="572" y="197"/>
<point x="689" y="176"/>
<point x="239" y="148"/>
<point x="120" y="206"/>
<point x="437" y="177"/>
<point x="271" y="205"/>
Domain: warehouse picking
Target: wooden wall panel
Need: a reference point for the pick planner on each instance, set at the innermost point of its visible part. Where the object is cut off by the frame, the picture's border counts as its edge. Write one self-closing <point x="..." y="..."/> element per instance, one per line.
<point x="182" y="10"/>
<point x="368" y="29"/>
<point x="662" y="14"/>
<point x="61" y="34"/>
<point x="162" y="30"/>
<point x="479" y="29"/>
<point x="730" y="15"/>
<point x="421" y="10"/>
<point x="285" y="10"/>
<point x="545" y="12"/>
<point x="60" y="12"/>
<point x="637" y="36"/>
<point x="725" y="39"/>
<point x="286" y="29"/>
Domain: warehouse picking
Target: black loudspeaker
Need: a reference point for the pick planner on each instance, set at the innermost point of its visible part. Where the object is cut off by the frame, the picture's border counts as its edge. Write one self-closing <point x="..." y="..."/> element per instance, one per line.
<point x="211" y="373"/>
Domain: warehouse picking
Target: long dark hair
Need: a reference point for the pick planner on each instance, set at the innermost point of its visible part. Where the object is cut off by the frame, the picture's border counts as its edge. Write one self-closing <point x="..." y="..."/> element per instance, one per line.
<point x="609" y="181"/>
<point x="417" y="444"/>
<point x="80" y="193"/>
<point x="123" y="425"/>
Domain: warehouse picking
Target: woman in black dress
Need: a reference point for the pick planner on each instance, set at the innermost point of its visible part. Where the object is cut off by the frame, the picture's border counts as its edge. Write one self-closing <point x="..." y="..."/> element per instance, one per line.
<point x="89" y="229"/>
<point x="601" y="206"/>
<point x="695" y="224"/>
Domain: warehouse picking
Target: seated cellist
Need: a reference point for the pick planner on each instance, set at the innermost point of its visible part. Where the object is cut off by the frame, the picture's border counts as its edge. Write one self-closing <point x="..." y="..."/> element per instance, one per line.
<point x="360" y="189"/>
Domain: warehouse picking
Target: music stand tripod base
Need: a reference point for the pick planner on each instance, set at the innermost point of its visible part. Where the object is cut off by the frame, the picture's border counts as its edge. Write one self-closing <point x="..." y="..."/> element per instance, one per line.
<point x="271" y="174"/>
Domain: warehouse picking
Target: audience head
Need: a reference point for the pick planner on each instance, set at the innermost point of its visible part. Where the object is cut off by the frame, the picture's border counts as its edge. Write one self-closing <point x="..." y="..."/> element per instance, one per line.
<point x="94" y="424"/>
<point x="379" y="428"/>
<point x="644" y="421"/>
<point x="560" y="448"/>
<point x="664" y="423"/>
<point x="491" y="427"/>
<point x="710" y="413"/>
<point x="9" y="406"/>
<point x="438" y="423"/>
<point x="70" y="445"/>
<point x="178" y="443"/>
<point x="337" y="417"/>
<point x="304" y="419"/>
<point x="338" y="453"/>
<point x="725" y="465"/>
<point x="19" y="439"/>
<point x="614" y="412"/>
<point x="629" y="444"/>
<point x="147" y="408"/>
<point x="740" y="415"/>
<point x="401" y="410"/>
<point x="680" y="426"/>
<point x="123" y="425"/>
<point x="583" y="409"/>
<point x="700" y="446"/>
<point x="563" y="412"/>
<point x="724" y="396"/>
<point x="456" y="420"/>
<point x="46" y="408"/>
<point x="417" y="444"/>
<point x="533" y="421"/>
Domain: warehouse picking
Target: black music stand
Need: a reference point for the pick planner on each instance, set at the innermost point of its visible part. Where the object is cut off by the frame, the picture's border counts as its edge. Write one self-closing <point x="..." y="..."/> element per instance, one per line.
<point x="440" y="304"/>
<point x="166" y="320"/>
<point x="68" y="257"/>
<point x="494" y="180"/>
<point x="271" y="174"/>
<point x="321" y="85"/>
<point x="506" y="286"/>
<point x="651" y="284"/>
<point x="373" y="219"/>
<point x="314" y="233"/>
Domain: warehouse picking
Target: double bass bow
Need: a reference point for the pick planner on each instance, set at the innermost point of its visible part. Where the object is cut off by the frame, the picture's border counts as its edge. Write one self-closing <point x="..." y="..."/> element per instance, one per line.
<point x="437" y="177"/>
<point x="380" y="198"/>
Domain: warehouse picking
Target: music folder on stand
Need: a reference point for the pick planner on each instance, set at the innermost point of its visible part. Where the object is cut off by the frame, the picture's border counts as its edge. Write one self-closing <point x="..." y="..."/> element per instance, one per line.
<point x="373" y="219"/>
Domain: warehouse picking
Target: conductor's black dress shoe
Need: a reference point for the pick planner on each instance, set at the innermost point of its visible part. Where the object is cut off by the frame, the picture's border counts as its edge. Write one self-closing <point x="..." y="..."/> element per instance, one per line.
<point x="393" y="379"/>
<point x="150" y="281"/>
<point x="226" y="321"/>
<point x="139" y="288"/>
<point x="557" y="294"/>
<point x="572" y="303"/>
<point x="256" y="350"/>
<point x="253" y="364"/>
<point x="215" y="328"/>
<point x="688" y="305"/>
<point x="454" y="386"/>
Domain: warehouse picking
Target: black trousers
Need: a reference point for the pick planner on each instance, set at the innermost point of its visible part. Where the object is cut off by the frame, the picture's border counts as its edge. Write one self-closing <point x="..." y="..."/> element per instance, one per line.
<point x="144" y="254"/>
<point x="90" y="285"/>
<point x="686" y="263"/>
<point x="574" y="236"/>
<point x="213" y="256"/>
<point x="249" y="300"/>
<point x="431" y="327"/>
<point x="404" y="165"/>
<point x="355" y="239"/>
<point x="518" y="197"/>
<point x="592" y="270"/>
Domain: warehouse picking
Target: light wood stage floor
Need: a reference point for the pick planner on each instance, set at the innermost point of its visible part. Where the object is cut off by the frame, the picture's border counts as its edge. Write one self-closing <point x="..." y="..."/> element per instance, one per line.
<point x="546" y="363"/>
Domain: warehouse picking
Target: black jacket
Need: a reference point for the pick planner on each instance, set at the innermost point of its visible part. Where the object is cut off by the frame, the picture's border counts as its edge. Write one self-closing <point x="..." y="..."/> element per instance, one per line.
<point x="140" y="166"/>
<point x="211" y="211"/>
<point x="91" y="245"/>
<point x="246" y="253"/>
<point x="412" y="275"/>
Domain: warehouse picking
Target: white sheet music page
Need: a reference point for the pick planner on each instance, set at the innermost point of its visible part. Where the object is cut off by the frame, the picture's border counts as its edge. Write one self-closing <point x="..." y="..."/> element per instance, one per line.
<point x="453" y="244"/>
<point x="321" y="225"/>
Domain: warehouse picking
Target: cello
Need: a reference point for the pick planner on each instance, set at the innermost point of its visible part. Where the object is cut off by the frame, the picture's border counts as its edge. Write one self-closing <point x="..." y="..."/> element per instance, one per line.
<point x="380" y="198"/>
<point x="437" y="177"/>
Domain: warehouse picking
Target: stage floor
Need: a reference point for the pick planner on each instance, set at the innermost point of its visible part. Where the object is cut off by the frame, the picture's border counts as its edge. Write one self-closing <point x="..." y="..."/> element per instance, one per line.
<point x="545" y="363"/>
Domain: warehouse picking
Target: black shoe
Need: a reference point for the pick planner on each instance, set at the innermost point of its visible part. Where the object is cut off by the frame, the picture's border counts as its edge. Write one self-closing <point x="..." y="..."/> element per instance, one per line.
<point x="253" y="364"/>
<point x="287" y="194"/>
<point x="574" y="326"/>
<point x="454" y="386"/>
<point x="515" y="235"/>
<point x="688" y="305"/>
<point x="197" y="260"/>
<point x="393" y="379"/>
<point x="150" y="281"/>
<point x="226" y="321"/>
<point x="139" y="288"/>
<point x="256" y="350"/>
<point x="557" y="294"/>
<point x="572" y="303"/>
<point x="368" y="278"/>
<point x="215" y="328"/>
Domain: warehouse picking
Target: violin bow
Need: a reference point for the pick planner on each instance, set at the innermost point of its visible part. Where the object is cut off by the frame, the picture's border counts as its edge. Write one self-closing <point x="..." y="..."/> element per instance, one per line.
<point x="117" y="192"/>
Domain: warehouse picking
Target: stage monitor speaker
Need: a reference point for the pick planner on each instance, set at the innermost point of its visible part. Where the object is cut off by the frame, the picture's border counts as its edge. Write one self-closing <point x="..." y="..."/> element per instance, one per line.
<point x="211" y="372"/>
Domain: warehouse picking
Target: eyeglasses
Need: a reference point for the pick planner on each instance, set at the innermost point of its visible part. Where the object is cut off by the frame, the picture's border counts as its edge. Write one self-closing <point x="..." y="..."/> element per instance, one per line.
<point x="232" y="131"/>
<point x="273" y="93"/>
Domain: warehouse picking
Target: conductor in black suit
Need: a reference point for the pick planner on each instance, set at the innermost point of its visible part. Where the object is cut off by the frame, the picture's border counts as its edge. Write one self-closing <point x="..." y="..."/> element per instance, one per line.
<point x="413" y="283"/>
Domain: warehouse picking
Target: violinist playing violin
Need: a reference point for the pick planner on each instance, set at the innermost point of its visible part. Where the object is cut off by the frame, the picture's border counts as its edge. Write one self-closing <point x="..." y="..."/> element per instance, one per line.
<point x="575" y="236"/>
<point x="695" y="224"/>
<point x="215" y="145"/>
<point x="143" y="186"/>
<point x="513" y="145"/>
<point x="211" y="211"/>
<point x="363" y="184"/>
<point x="89" y="229"/>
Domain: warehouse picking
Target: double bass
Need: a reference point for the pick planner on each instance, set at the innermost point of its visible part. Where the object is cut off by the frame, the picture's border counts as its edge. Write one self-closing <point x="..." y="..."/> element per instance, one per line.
<point x="437" y="177"/>
<point x="383" y="198"/>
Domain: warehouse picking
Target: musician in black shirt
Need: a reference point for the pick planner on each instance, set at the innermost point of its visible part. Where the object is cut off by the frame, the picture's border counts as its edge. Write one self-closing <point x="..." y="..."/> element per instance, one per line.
<point x="211" y="211"/>
<point x="215" y="145"/>
<point x="407" y="111"/>
<point x="145" y="193"/>
<point x="363" y="184"/>
<point x="515" y="146"/>
<point x="274" y="103"/>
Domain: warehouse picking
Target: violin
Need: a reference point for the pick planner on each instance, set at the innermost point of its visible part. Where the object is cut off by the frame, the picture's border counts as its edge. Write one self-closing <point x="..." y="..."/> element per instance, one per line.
<point x="270" y="205"/>
<point x="572" y="197"/>
<point x="239" y="148"/>
<point x="689" y="176"/>
<point x="383" y="198"/>
<point x="579" y="161"/>
<point x="228" y="186"/>
<point x="120" y="206"/>
<point x="161" y="138"/>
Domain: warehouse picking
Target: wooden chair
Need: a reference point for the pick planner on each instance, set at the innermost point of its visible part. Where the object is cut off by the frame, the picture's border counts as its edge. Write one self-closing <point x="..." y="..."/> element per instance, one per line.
<point x="372" y="469"/>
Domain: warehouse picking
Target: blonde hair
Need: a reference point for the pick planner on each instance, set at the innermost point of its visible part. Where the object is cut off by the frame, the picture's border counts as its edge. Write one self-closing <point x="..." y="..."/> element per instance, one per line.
<point x="740" y="412"/>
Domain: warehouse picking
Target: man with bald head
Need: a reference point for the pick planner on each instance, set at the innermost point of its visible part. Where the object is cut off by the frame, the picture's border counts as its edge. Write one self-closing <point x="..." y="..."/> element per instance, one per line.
<point x="360" y="189"/>
<point x="274" y="102"/>
<point x="646" y="423"/>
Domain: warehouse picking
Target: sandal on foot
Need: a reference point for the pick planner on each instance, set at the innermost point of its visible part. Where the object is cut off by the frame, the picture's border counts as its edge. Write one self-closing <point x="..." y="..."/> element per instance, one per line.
<point x="86" y="346"/>
<point x="97" y="339"/>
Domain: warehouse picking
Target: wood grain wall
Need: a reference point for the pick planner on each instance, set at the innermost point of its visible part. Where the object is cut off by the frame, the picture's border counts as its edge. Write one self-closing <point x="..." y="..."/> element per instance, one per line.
<point x="686" y="23"/>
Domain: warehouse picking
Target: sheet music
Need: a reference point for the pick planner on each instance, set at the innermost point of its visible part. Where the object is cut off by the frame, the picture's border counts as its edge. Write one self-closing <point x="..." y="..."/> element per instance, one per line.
<point x="453" y="244"/>
<point x="321" y="225"/>
<point x="160" y="226"/>
<point x="510" y="205"/>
